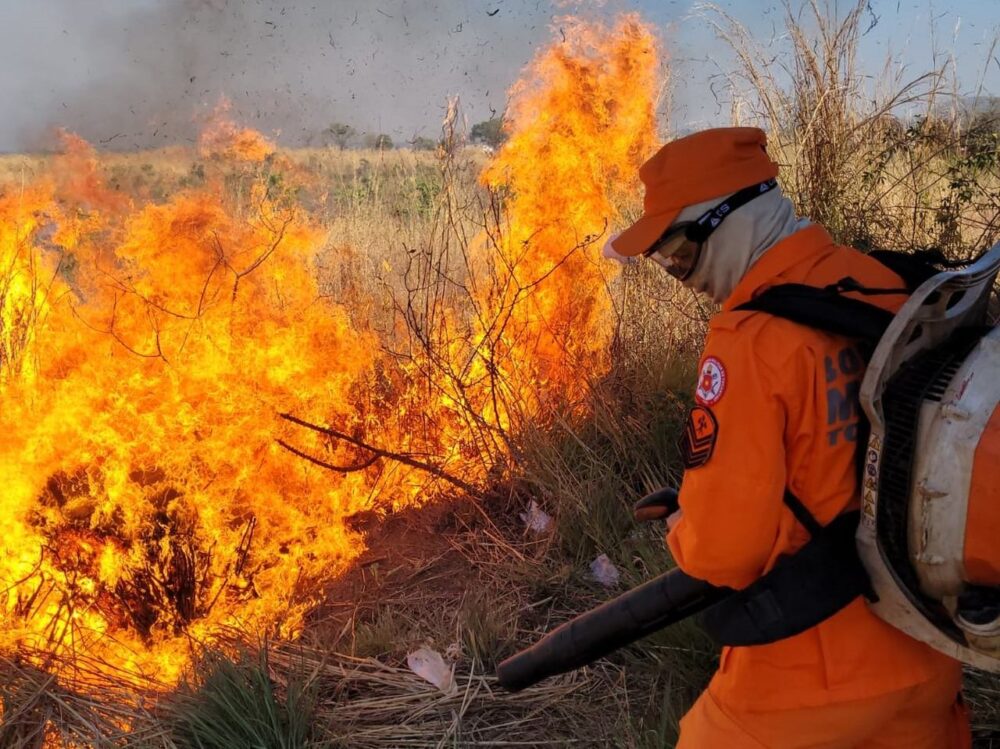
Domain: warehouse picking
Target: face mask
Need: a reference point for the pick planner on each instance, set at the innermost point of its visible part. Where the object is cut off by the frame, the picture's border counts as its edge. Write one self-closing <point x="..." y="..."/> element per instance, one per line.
<point x="679" y="249"/>
<point x="739" y="242"/>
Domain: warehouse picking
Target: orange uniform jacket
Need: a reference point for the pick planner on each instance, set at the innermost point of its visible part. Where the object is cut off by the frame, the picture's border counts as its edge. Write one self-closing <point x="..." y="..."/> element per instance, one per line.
<point x="778" y="407"/>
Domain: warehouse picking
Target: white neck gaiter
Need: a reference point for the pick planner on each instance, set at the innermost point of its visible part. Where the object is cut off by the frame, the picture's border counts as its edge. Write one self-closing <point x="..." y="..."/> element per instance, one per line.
<point x="746" y="234"/>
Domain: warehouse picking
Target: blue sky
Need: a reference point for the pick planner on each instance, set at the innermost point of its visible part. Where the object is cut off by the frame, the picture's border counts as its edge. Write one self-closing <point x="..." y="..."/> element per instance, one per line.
<point x="146" y="72"/>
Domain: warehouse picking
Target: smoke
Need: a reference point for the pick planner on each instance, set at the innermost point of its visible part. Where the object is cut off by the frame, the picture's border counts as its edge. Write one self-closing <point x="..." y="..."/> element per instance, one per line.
<point x="146" y="73"/>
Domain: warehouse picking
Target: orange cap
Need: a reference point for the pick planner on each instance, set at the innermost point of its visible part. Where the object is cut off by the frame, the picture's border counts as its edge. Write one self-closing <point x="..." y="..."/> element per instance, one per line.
<point x="691" y="170"/>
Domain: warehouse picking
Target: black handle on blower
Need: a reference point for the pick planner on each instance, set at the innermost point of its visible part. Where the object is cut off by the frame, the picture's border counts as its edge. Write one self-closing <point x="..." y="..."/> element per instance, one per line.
<point x="658" y="505"/>
<point x="662" y="601"/>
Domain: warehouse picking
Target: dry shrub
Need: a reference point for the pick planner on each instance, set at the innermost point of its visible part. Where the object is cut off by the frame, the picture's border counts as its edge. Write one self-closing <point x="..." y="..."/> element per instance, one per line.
<point x="888" y="164"/>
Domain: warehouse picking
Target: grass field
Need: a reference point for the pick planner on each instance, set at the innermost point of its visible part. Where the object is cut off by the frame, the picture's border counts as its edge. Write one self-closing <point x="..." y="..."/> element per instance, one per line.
<point x="394" y="243"/>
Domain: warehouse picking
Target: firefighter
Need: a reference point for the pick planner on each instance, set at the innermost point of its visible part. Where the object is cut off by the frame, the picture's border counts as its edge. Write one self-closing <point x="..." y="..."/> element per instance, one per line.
<point x="776" y="409"/>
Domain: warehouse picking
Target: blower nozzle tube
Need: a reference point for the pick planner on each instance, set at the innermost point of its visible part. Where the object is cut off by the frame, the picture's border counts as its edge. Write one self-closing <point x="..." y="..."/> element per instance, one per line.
<point x="656" y="604"/>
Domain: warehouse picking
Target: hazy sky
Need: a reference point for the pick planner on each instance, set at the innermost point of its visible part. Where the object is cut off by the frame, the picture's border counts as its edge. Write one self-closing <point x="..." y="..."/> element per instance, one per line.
<point x="126" y="73"/>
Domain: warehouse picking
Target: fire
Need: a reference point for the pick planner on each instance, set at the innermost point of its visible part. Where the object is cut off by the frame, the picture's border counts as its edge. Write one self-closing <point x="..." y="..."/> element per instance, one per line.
<point x="580" y="124"/>
<point x="158" y="360"/>
<point x="224" y="139"/>
<point x="145" y="498"/>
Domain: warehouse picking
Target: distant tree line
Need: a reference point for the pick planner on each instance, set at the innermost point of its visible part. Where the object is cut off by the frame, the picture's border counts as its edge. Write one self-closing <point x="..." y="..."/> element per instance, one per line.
<point x="489" y="133"/>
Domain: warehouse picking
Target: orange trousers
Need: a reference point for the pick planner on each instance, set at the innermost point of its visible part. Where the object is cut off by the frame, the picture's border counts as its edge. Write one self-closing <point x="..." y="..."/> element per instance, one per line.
<point x="926" y="716"/>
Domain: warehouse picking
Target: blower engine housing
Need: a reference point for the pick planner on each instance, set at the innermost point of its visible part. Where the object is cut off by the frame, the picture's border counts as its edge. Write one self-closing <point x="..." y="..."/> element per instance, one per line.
<point x="930" y="524"/>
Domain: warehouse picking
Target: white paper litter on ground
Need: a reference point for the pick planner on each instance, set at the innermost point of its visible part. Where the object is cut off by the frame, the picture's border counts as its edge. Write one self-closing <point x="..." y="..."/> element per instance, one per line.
<point x="537" y="520"/>
<point x="430" y="666"/>
<point x="604" y="571"/>
<point x="453" y="652"/>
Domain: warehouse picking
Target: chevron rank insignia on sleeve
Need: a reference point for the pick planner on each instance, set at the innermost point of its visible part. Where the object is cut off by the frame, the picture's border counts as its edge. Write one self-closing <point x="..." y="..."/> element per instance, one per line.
<point x="700" y="434"/>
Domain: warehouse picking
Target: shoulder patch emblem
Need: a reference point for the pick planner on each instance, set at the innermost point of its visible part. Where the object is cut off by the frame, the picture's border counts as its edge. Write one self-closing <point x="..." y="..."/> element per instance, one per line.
<point x="711" y="382"/>
<point x="700" y="434"/>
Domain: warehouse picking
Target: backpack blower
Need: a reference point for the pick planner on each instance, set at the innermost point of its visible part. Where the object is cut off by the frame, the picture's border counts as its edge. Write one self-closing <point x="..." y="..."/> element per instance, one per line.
<point x="924" y="549"/>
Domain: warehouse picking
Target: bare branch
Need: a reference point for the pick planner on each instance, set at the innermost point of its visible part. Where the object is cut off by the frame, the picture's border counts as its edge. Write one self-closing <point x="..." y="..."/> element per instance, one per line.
<point x="379" y="452"/>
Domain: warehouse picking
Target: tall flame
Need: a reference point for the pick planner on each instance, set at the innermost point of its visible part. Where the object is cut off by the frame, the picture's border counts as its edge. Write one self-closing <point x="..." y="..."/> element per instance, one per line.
<point x="148" y="350"/>
<point x="581" y="123"/>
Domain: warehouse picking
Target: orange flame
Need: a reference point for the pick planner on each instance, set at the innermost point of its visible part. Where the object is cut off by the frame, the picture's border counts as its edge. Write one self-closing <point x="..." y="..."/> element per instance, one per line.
<point x="147" y="352"/>
<point x="581" y="123"/>
<point x="223" y="138"/>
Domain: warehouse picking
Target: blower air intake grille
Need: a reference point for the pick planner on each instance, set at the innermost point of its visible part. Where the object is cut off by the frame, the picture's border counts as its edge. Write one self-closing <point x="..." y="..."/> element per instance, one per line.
<point x="925" y="378"/>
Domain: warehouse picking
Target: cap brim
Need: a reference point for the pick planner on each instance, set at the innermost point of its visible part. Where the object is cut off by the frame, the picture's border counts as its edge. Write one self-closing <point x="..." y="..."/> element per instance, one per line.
<point x="643" y="234"/>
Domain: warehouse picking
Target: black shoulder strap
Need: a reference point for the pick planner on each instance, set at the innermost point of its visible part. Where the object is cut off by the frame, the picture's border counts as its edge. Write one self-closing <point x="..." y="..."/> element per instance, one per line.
<point x="826" y="308"/>
<point x="917" y="266"/>
<point x="802" y="514"/>
<point x="801" y="591"/>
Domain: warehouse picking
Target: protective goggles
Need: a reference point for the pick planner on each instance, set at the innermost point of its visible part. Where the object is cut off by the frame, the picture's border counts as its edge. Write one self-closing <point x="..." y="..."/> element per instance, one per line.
<point x="678" y="250"/>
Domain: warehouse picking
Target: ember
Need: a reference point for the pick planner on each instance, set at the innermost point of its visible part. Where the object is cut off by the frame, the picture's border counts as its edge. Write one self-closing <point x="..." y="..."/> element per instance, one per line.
<point x="187" y="421"/>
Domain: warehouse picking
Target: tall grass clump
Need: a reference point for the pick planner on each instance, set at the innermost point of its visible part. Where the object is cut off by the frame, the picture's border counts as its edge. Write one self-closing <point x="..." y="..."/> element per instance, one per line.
<point x="895" y="163"/>
<point x="239" y="702"/>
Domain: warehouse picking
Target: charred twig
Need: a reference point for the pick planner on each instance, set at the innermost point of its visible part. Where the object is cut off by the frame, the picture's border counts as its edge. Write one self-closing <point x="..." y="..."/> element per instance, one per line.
<point x="242" y="556"/>
<point x="24" y="607"/>
<point x="110" y="331"/>
<point x="243" y="550"/>
<point x="328" y="466"/>
<point x="258" y="261"/>
<point x="180" y="583"/>
<point x="378" y="452"/>
<point x="34" y="571"/>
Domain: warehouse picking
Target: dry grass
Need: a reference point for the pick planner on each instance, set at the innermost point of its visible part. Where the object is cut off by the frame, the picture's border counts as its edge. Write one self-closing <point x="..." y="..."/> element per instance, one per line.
<point x="885" y="163"/>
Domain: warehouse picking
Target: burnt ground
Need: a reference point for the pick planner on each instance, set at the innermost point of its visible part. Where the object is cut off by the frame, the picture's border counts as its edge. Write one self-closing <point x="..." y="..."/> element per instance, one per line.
<point x="425" y="568"/>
